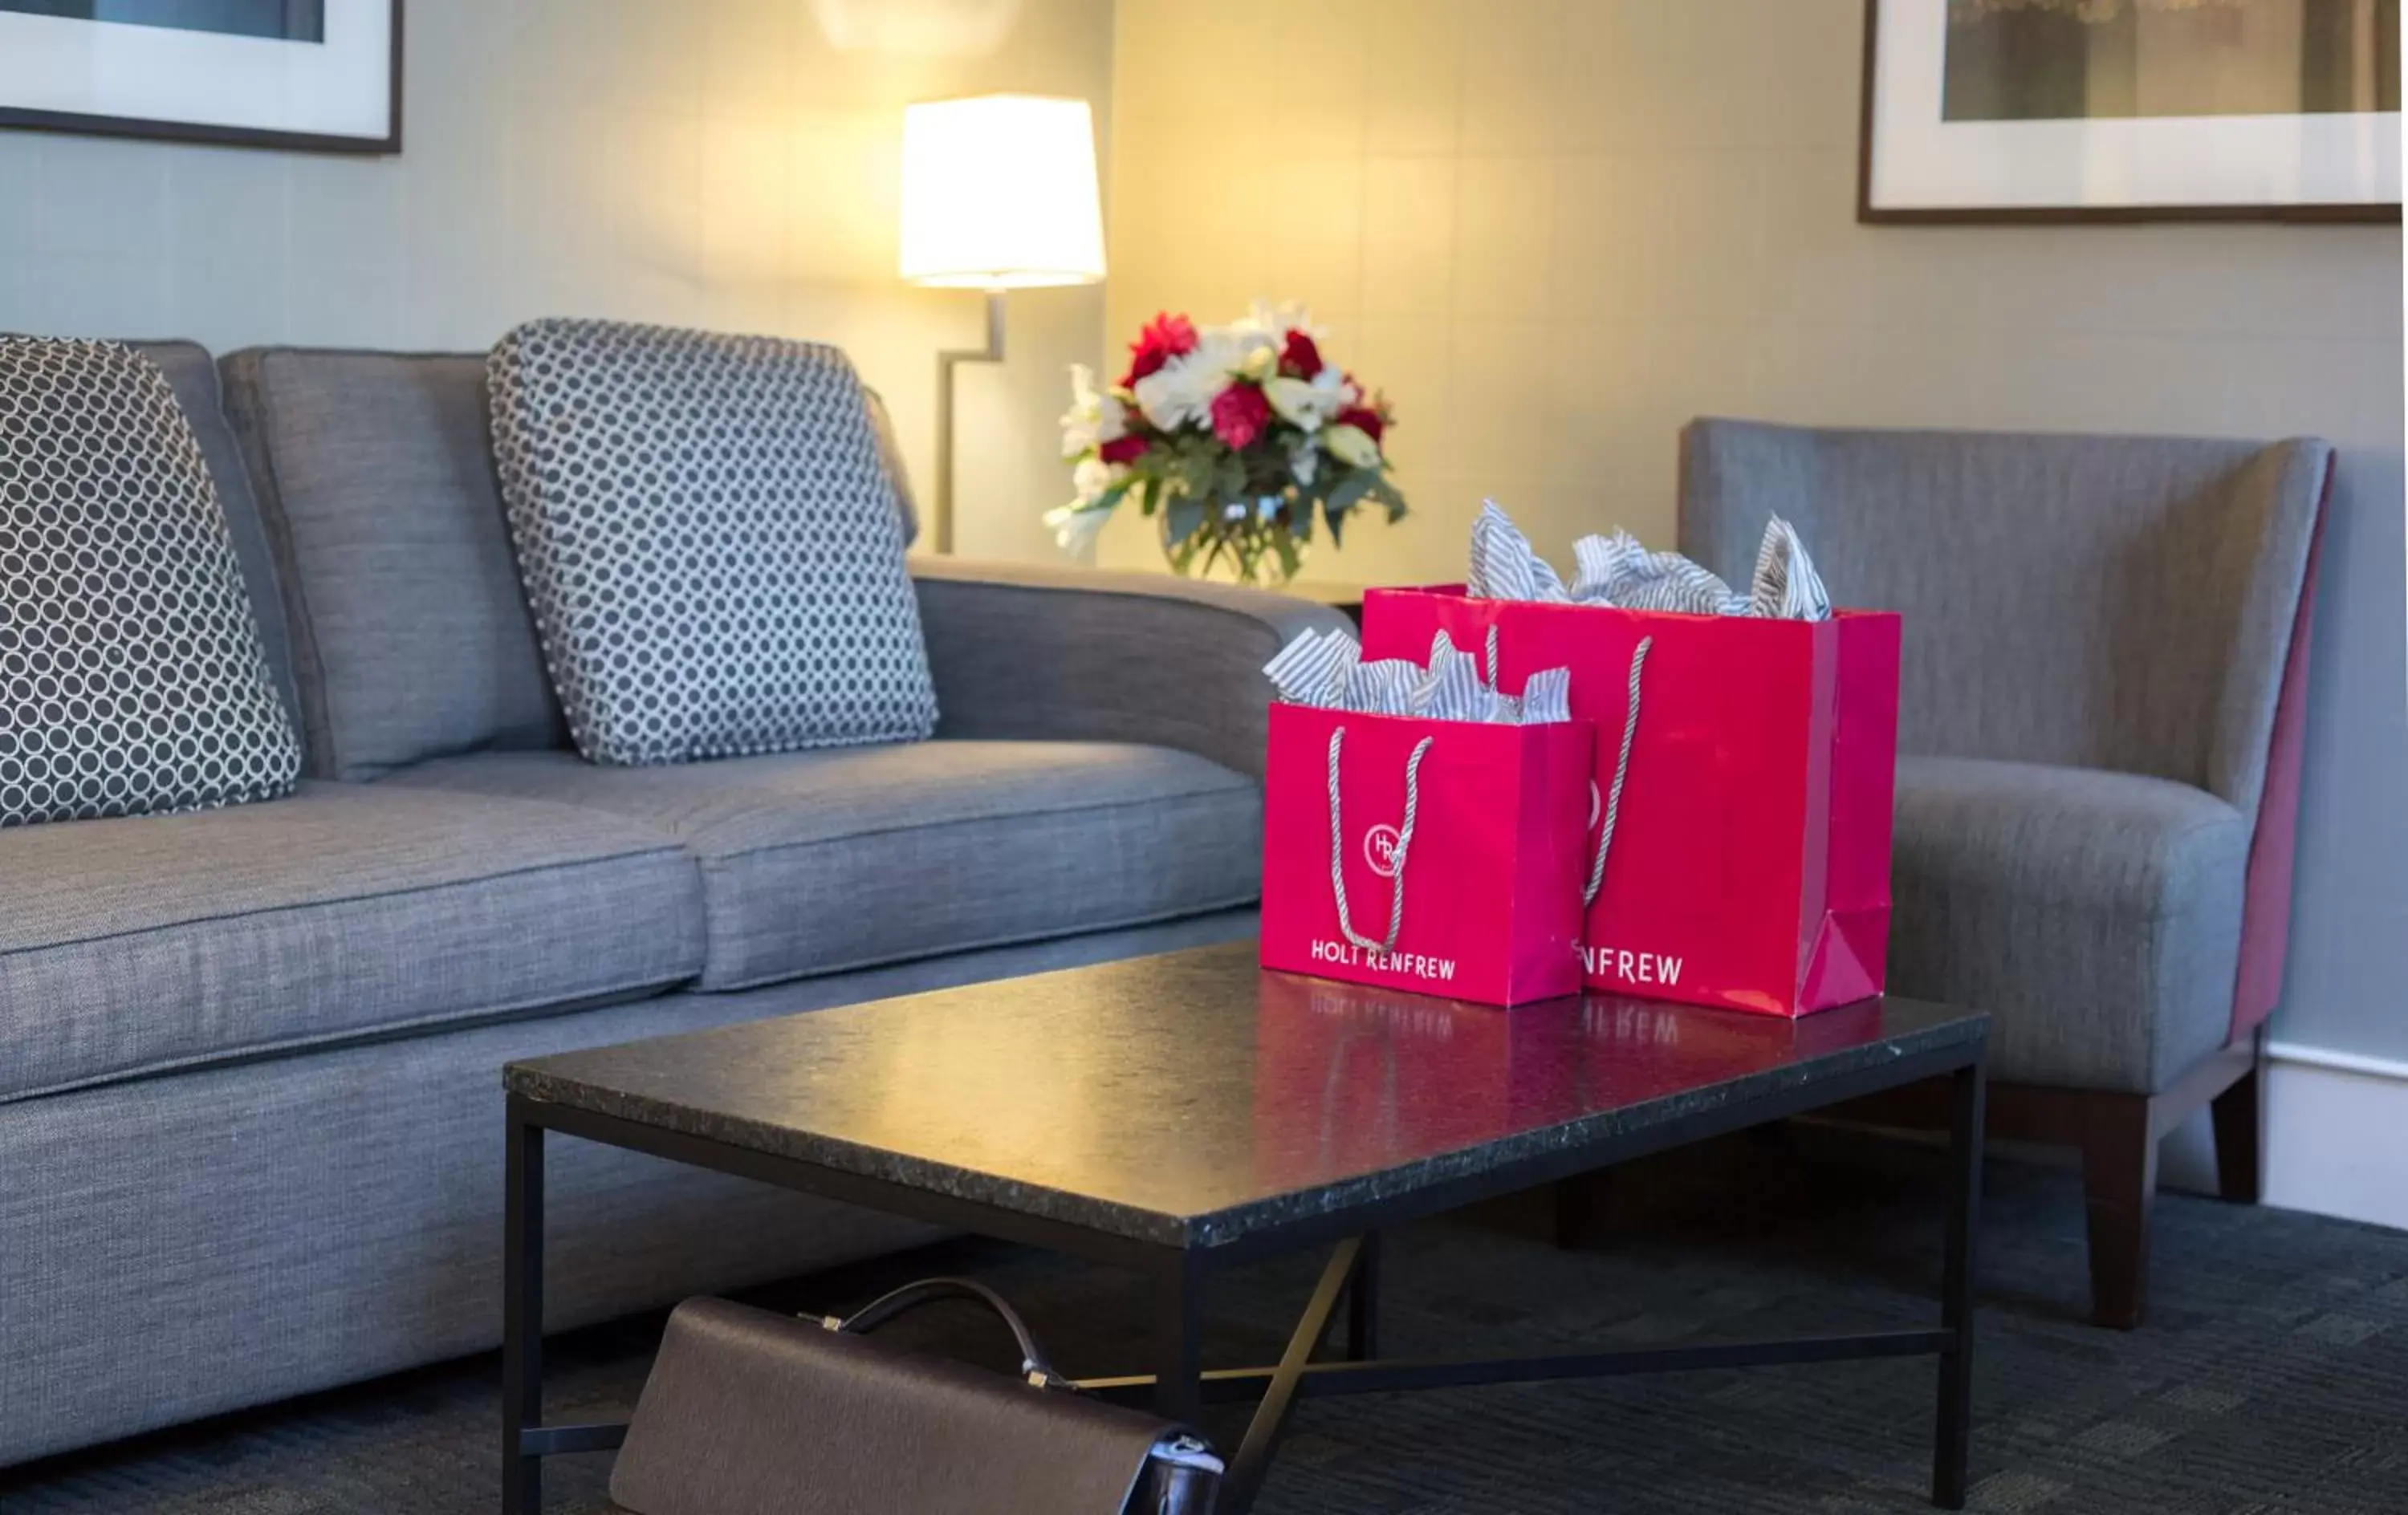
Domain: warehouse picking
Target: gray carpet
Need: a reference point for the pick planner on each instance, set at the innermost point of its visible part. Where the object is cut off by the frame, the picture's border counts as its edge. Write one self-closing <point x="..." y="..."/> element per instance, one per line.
<point x="2271" y="1378"/>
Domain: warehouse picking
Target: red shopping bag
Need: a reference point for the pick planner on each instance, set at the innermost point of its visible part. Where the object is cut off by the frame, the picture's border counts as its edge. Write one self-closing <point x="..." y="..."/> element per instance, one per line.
<point x="1748" y="862"/>
<point x="1440" y="856"/>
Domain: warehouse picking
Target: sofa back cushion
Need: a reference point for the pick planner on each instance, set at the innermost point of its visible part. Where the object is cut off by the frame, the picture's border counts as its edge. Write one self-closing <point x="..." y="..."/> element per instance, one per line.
<point x="193" y="375"/>
<point x="710" y="540"/>
<point x="133" y="677"/>
<point x="410" y="637"/>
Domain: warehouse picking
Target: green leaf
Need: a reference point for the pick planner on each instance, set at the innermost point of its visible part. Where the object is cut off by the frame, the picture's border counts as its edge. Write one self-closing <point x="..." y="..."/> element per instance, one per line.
<point x="1349" y="492"/>
<point x="1186" y="513"/>
<point x="1387" y="495"/>
<point x="1229" y="479"/>
<point x="1113" y="495"/>
<point x="1290" y="558"/>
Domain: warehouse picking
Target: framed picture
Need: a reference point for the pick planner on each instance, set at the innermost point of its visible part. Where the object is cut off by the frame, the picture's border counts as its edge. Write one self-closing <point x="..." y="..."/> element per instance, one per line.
<point x="2000" y="110"/>
<point x="320" y="75"/>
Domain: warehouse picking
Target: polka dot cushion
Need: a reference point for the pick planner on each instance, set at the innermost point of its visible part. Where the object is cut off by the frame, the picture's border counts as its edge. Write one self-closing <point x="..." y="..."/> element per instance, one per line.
<point x="132" y="676"/>
<point x="710" y="542"/>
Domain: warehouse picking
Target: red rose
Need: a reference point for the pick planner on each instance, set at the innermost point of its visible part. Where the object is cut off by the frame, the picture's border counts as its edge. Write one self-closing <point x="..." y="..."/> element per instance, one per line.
<point x="1240" y="413"/>
<point x="1363" y="419"/>
<point x="1163" y="338"/>
<point x="1122" y="449"/>
<point x="1299" y="359"/>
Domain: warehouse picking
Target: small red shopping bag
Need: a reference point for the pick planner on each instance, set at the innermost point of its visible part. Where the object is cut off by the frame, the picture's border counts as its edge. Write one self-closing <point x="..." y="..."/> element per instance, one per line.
<point x="1440" y="856"/>
<point x="1749" y="856"/>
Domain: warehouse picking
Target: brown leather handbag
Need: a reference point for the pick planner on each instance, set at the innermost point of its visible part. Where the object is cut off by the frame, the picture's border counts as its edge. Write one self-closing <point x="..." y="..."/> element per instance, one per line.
<point x="748" y="1412"/>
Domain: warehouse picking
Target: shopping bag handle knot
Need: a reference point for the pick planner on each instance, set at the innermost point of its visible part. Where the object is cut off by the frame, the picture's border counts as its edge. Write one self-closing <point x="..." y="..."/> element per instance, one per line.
<point x="1404" y="844"/>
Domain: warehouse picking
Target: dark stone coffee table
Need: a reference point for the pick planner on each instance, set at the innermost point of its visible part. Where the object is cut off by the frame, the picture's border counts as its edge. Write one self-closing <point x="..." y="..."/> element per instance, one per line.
<point x="1173" y="1113"/>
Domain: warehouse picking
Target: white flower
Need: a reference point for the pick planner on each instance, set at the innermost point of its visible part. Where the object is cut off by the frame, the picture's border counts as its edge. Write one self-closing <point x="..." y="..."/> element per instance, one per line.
<point x="1240" y="349"/>
<point x="1181" y="392"/>
<point x="1094" y="416"/>
<point x="1295" y="402"/>
<point x="1277" y="320"/>
<point x="1352" y="446"/>
<point x="1077" y="523"/>
<point x="1337" y="394"/>
<point x="1094" y="476"/>
<point x="1076" y="527"/>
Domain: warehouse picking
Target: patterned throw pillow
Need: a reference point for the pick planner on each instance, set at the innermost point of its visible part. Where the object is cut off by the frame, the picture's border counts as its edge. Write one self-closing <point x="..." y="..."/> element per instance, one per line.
<point x="710" y="542"/>
<point x="132" y="677"/>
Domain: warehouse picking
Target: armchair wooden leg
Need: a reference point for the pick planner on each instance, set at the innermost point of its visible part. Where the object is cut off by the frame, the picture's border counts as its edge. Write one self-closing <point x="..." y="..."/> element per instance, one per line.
<point x="2119" y="1181"/>
<point x="2240" y="1120"/>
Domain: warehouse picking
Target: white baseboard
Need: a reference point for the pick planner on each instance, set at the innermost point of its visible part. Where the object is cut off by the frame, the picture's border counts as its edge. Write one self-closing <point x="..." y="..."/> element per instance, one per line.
<point x="2337" y="1134"/>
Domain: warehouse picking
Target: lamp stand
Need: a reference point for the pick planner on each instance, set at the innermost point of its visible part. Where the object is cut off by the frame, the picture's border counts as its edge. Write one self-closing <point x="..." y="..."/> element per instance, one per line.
<point x="942" y="527"/>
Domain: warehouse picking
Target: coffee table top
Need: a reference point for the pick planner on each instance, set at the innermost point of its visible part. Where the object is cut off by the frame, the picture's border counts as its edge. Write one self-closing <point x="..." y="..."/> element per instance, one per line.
<point x="1192" y="1099"/>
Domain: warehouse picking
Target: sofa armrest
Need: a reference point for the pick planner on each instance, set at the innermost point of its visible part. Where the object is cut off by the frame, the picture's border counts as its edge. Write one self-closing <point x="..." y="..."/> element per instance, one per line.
<point x="1074" y="654"/>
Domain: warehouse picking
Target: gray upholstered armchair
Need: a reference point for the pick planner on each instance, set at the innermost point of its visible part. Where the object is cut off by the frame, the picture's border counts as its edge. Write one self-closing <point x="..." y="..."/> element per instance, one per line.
<point x="2104" y="667"/>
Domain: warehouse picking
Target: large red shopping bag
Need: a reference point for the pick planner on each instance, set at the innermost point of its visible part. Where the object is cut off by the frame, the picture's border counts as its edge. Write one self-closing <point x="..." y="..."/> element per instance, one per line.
<point x="1439" y="856"/>
<point x="1749" y="856"/>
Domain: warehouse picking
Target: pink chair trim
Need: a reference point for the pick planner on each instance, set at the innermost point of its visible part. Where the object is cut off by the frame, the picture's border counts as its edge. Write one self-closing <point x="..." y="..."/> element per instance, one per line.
<point x="2266" y="908"/>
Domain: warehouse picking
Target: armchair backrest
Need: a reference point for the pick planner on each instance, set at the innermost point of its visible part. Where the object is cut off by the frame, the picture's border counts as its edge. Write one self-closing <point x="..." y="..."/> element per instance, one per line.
<point x="2108" y="602"/>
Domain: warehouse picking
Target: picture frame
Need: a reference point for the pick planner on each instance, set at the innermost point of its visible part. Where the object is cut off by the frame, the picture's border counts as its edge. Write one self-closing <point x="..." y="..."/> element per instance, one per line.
<point x="2076" y="111"/>
<point x="313" y="76"/>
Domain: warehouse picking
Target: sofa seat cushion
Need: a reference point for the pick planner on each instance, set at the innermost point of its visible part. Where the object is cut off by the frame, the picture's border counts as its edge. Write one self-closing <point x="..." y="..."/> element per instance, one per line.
<point x="824" y="861"/>
<point x="139" y="946"/>
<point x="2095" y="915"/>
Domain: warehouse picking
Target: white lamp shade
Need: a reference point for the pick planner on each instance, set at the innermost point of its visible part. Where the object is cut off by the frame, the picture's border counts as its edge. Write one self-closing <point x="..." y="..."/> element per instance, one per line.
<point x="1000" y="192"/>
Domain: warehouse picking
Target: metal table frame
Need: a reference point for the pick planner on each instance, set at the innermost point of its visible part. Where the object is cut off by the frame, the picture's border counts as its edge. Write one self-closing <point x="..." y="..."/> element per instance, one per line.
<point x="1180" y="1384"/>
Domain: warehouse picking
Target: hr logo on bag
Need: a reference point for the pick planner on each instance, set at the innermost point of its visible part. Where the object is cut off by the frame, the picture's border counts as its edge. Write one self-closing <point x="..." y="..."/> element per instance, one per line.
<point x="1380" y="846"/>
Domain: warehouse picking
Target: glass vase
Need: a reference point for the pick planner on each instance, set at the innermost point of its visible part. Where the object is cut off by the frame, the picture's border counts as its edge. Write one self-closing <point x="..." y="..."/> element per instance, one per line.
<point x="1244" y="541"/>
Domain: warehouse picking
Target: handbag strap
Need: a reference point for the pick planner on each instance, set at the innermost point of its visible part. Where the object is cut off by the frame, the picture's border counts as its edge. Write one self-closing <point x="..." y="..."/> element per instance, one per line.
<point x="1404" y="844"/>
<point x="886" y="1307"/>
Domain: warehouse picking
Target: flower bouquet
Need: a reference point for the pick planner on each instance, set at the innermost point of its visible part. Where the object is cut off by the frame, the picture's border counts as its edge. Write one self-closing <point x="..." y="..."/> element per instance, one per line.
<point x="1235" y="437"/>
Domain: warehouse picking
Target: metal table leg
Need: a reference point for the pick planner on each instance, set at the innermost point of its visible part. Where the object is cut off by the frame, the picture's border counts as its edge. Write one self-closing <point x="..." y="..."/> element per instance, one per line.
<point x="1179" y="1339"/>
<point x="1362" y="1301"/>
<point x="522" y="1315"/>
<point x="1254" y="1458"/>
<point x="1952" y="1436"/>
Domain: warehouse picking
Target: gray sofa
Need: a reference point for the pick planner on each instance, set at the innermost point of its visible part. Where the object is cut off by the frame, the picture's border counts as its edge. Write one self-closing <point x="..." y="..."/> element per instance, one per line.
<point x="250" y="1103"/>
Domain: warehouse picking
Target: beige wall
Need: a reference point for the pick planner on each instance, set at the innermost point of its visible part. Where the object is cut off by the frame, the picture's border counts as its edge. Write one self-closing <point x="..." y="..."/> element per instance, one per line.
<point x="1557" y="229"/>
<point x="1554" y="229"/>
<point x="728" y="164"/>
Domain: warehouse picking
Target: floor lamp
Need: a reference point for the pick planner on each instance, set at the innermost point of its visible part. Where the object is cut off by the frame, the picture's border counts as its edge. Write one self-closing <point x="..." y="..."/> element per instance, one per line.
<point x="998" y="195"/>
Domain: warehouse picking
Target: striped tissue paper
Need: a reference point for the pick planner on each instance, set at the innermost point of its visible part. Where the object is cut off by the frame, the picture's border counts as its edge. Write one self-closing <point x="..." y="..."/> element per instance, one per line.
<point x="1327" y="671"/>
<point x="1620" y="572"/>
